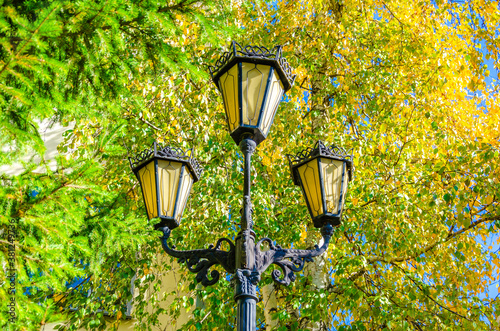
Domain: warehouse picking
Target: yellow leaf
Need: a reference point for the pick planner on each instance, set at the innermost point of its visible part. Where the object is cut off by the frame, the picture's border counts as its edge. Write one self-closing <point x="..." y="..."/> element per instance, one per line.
<point x="266" y="161"/>
<point x="58" y="297"/>
<point x="303" y="234"/>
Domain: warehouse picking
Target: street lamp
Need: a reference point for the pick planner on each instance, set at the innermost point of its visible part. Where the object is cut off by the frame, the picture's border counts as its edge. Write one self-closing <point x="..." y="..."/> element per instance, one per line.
<point x="322" y="172"/>
<point x="166" y="175"/>
<point x="252" y="81"/>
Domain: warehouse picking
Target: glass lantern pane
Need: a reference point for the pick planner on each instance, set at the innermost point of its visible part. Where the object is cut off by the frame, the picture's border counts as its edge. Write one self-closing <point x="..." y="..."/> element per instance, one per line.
<point x="274" y="94"/>
<point x="345" y="182"/>
<point x="187" y="182"/>
<point x="333" y="171"/>
<point x="253" y="85"/>
<point x="148" y="185"/>
<point x="168" y="177"/>
<point x="228" y="84"/>
<point x="309" y="177"/>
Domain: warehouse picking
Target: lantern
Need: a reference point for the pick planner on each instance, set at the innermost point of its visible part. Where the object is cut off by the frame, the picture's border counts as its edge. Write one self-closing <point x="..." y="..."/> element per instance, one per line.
<point x="166" y="176"/>
<point x="252" y="81"/>
<point x="323" y="173"/>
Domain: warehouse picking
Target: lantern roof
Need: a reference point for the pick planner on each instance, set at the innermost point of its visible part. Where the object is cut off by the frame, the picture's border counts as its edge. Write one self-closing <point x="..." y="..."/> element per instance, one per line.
<point x="167" y="153"/>
<point x="254" y="54"/>
<point x="320" y="150"/>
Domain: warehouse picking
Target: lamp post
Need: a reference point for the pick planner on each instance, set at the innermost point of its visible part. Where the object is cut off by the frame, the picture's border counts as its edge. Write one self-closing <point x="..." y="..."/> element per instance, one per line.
<point x="252" y="81"/>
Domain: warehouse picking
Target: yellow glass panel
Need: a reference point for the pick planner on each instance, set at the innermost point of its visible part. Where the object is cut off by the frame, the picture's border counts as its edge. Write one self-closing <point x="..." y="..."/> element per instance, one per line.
<point x="253" y="85"/>
<point x="309" y="176"/>
<point x="148" y="185"/>
<point x="274" y="95"/>
<point x="187" y="182"/>
<point x="228" y="84"/>
<point x="168" y="177"/>
<point x="332" y="171"/>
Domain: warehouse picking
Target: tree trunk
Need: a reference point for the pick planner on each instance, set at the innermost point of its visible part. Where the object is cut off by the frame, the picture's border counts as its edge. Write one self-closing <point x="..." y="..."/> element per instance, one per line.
<point x="270" y="306"/>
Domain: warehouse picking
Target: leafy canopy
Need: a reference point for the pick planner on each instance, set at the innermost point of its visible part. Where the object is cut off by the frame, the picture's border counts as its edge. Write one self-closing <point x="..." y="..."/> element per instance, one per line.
<point x="398" y="82"/>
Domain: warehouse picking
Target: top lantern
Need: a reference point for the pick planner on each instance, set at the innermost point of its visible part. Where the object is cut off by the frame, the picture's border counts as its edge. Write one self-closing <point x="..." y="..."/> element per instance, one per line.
<point x="252" y="81"/>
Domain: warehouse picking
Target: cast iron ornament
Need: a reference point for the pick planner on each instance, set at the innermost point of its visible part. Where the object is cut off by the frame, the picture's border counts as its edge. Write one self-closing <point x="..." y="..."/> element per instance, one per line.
<point x="167" y="153"/>
<point x="290" y="261"/>
<point x="199" y="261"/>
<point x="244" y="258"/>
<point x="254" y="54"/>
<point x="320" y="149"/>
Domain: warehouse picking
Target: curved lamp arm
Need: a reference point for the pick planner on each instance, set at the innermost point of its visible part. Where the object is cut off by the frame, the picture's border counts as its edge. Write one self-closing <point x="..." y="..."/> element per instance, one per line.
<point x="289" y="260"/>
<point x="200" y="260"/>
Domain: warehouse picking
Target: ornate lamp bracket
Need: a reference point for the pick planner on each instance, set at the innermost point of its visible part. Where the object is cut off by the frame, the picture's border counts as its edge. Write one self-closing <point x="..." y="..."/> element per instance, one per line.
<point x="200" y="261"/>
<point x="289" y="260"/>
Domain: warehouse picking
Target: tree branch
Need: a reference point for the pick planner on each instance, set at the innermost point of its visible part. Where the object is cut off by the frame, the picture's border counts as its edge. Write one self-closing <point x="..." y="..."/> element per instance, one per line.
<point x="433" y="245"/>
<point x="28" y="41"/>
<point x="427" y="295"/>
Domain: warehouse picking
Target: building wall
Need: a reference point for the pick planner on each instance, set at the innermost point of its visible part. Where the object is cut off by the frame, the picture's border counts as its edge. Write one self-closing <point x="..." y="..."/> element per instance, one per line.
<point x="52" y="135"/>
<point x="169" y="281"/>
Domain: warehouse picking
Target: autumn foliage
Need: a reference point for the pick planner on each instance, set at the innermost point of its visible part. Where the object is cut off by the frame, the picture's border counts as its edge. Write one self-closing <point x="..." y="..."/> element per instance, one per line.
<point x="403" y="84"/>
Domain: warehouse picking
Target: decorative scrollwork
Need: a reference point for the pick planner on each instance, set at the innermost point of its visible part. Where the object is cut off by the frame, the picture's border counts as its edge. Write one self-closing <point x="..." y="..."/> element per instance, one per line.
<point x="259" y="52"/>
<point x="167" y="152"/>
<point x="287" y="68"/>
<point x="319" y="150"/>
<point x="141" y="157"/>
<point x="221" y="62"/>
<point x="247" y="280"/>
<point x="290" y="261"/>
<point x="173" y="152"/>
<point x="199" y="261"/>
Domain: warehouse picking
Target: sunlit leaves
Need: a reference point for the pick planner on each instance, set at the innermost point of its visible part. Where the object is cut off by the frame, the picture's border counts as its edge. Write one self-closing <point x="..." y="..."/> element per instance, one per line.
<point x="396" y="82"/>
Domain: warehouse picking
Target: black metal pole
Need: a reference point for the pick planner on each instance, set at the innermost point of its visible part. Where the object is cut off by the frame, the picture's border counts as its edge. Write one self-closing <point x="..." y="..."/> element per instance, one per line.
<point x="245" y="289"/>
<point x="244" y="258"/>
